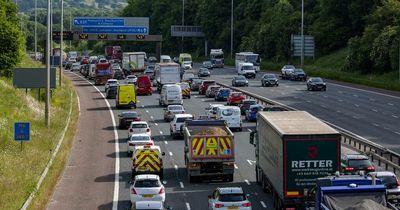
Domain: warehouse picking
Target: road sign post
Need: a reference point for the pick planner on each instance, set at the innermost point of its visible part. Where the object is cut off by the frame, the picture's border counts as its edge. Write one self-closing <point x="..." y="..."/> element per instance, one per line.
<point x="22" y="132"/>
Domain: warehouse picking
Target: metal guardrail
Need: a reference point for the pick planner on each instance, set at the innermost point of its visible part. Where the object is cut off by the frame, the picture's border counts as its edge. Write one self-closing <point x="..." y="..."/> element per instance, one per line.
<point x="390" y="160"/>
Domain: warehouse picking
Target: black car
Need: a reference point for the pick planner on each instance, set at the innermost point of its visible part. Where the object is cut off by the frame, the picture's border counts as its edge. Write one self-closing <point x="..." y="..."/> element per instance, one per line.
<point x="112" y="92"/>
<point x="203" y="72"/>
<point x="269" y="80"/>
<point x="298" y="74"/>
<point x="274" y="108"/>
<point x="125" y="118"/>
<point x="246" y="105"/>
<point x="354" y="163"/>
<point x="239" y="81"/>
<point x="118" y="74"/>
<point x="316" y="83"/>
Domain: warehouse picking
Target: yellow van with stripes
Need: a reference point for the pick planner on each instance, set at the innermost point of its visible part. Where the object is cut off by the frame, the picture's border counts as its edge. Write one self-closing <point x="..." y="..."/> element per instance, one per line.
<point x="185" y="89"/>
<point x="147" y="160"/>
<point x="126" y="96"/>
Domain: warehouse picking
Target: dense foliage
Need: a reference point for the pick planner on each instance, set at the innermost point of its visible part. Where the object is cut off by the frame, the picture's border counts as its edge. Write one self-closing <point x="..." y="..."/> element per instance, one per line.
<point x="11" y="38"/>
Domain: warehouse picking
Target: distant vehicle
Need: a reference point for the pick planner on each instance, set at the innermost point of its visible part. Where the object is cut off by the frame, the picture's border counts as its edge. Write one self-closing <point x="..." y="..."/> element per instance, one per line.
<point x="222" y="94"/>
<point x="217" y="58"/>
<point x="137" y="127"/>
<point x="185" y="60"/>
<point x="239" y="81"/>
<point x="109" y="82"/>
<point x="211" y="110"/>
<point x="229" y="198"/>
<point x="286" y="71"/>
<point x="298" y="74"/>
<point x="251" y="113"/>
<point x="246" y="105"/>
<point x="138" y="140"/>
<point x="235" y="98"/>
<point x="187" y="76"/>
<point x="212" y="90"/>
<point x="231" y="115"/>
<point x="203" y="72"/>
<point x="269" y="80"/>
<point x="316" y="83"/>
<point x="134" y="62"/>
<point x="207" y="64"/>
<point x="204" y="85"/>
<point x="102" y="72"/>
<point x="111" y="92"/>
<point x="147" y="187"/>
<point x="167" y="73"/>
<point x="150" y="71"/>
<point x="185" y="87"/>
<point x="125" y="118"/>
<point x="304" y="144"/>
<point x="171" y="110"/>
<point x="113" y="52"/>
<point x="392" y="184"/>
<point x="274" y="108"/>
<point x="69" y="63"/>
<point x="354" y="163"/>
<point x="170" y="94"/>
<point x="73" y="54"/>
<point x="165" y="59"/>
<point x="248" y="57"/>
<point x="126" y="96"/>
<point x="177" y="123"/>
<point x="118" y="74"/>
<point x="176" y="59"/>
<point x="196" y="82"/>
<point x="144" y="86"/>
<point x="76" y="66"/>
<point x="152" y="61"/>
<point x="246" y="69"/>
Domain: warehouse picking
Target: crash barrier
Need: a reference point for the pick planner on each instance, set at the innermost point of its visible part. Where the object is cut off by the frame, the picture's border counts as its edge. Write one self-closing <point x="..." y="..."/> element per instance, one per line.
<point x="385" y="158"/>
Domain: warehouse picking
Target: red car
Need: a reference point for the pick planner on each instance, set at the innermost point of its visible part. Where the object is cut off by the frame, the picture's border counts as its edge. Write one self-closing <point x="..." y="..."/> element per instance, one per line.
<point x="236" y="98"/>
<point x="144" y="85"/>
<point x="204" y="85"/>
<point x="125" y="118"/>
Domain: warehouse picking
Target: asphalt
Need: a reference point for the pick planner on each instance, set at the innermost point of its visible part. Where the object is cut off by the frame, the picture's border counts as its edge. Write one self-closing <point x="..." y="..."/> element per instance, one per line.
<point x="88" y="180"/>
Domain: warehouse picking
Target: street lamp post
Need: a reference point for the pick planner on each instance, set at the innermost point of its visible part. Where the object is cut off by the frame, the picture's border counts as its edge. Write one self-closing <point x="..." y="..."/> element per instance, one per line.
<point x="61" y="41"/>
<point x="231" y="29"/>
<point x="183" y="22"/>
<point x="302" y="32"/>
<point x="47" y="104"/>
<point x="35" y="29"/>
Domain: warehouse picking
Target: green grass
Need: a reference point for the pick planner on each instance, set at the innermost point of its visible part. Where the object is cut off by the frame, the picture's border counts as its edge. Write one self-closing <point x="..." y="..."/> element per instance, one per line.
<point x="21" y="169"/>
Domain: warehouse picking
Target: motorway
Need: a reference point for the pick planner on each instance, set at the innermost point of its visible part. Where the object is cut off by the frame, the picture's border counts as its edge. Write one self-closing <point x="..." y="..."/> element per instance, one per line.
<point x="97" y="162"/>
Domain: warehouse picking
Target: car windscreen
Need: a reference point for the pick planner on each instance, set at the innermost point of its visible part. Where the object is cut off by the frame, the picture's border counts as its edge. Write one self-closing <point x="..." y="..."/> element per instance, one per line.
<point x="113" y="88"/>
<point x="316" y="80"/>
<point x="140" y="138"/>
<point x="240" y="78"/>
<point x="249" y="102"/>
<point x="209" y="83"/>
<point x="247" y="67"/>
<point x="231" y="197"/>
<point x="359" y="163"/>
<point x="138" y="126"/>
<point x="182" y="119"/>
<point x="298" y="71"/>
<point x="130" y="114"/>
<point x="236" y="94"/>
<point x="147" y="183"/>
<point x="230" y="112"/>
<point x="390" y="182"/>
<point x="187" y="59"/>
<point x="174" y="108"/>
<point x="112" y="82"/>
<point x="270" y="76"/>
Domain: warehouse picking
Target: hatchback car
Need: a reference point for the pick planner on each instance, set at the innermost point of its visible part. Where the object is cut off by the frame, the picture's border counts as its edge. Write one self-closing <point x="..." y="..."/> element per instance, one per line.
<point x="207" y="64"/>
<point x="140" y="139"/>
<point x="287" y="70"/>
<point x="355" y="163"/>
<point x="392" y="184"/>
<point x="251" y="113"/>
<point x="130" y="79"/>
<point x="118" y="74"/>
<point x="139" y="127"/>
<point x="222" y="94"/>
<point x="125" y="118"/>
<point x="204" y="85"/>
<point x="235" y="98"/>
<point x="316" y="83"/>
<point x="211" y="110"/>
<point x="298" y="74"/>
<point x="76" y="66"/>
<point x="147" y="187"/>
<point x="269" y="80"/>
<point x="246" y="105"/>
<point x="195" y="84"/>
<point x="111" y="92"/>
<point x="212" y="90"/>
<point x="177" y="124"/>
<point x="203" y="72"/>
<point x="229" y="198"/>
<point x="239" y="81"/>
<point x="109" y="82"/>
<point x="171" y="110"/>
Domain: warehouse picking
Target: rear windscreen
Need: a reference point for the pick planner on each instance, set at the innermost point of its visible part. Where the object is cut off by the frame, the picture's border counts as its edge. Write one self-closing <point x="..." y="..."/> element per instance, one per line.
<point x="182" y="119"/>
<point x="147" y="183"/>
<point x="359" y="163"/>
<point x="231" y="197"/>
<point x="138" y="126"/>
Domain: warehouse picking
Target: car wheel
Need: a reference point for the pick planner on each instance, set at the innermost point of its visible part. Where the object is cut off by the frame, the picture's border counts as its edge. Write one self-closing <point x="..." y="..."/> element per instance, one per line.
<point x="308" y="88"/>
<point x="324" y="89"/>
<point x="240" y="129"/>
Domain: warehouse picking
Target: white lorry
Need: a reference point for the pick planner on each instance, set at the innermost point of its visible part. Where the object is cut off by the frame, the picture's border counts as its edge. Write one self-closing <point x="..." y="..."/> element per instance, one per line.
<point x="217" y="58"/>
<point x="134" y="62"/>
<point x="167" y="73"/>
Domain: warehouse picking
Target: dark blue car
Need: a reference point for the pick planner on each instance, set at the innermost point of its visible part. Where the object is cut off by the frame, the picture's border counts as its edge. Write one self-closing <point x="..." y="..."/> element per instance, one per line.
<point x="222" y="94"/>
<point x="251" y="113"/>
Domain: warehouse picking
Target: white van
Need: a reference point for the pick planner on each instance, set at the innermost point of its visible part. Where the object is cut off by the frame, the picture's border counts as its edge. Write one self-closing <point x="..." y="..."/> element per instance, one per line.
<point x="92" y="71"/>
<point x="246" y="69"/>
<point x="170" y="94"/>
<point x="231" y="115"/>
<point x="165" y="59"/>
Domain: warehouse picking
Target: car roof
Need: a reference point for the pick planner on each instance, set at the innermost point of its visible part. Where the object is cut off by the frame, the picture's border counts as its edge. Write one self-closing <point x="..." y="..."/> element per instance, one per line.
<point x="382" y="173"/>
<point x="139" y="122"/>
<point x="148" y="205"/>
<point x="356" y="156"/>
<point x="230" y="190"/>
<point x="175" y="105"/>
<point x="141" y="134"/>
<point x="112" y="80"/>
<point x="228" y="107"/>
<point x="183" y="115"/>
<point x="146" y="176"/>
<point x="216" y="105"/>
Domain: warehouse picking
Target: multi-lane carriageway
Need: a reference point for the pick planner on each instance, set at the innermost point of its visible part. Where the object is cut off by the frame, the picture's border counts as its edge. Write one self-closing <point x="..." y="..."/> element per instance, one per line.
<point x="98" y="171"/>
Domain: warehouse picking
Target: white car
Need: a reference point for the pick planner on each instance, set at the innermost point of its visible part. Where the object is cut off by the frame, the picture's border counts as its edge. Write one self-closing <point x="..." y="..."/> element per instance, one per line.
<point x="147" y="187"/>
<point x="171" y="110"/>
<point x="211" y="110"/>
<point x="286" y="71"/>
<point x="76" y="66"/>
<point x="110" y="82"/>
<point x="177" y="123"/>
<point x="130" y="79"/>
<point x="228" y="198"/>
<point x="139" y="127"/>
<point x="138" y="140"/>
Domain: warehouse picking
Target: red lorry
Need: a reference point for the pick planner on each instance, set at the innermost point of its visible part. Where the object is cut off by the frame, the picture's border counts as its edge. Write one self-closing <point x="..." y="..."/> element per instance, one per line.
<point x="113" y="52"/>
<point x="102" y="73"/>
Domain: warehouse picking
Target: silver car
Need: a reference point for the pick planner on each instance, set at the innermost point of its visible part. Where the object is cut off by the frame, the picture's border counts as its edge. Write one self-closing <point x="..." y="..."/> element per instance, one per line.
<point x="224" y="198"/>
<point x="171" y="110"/>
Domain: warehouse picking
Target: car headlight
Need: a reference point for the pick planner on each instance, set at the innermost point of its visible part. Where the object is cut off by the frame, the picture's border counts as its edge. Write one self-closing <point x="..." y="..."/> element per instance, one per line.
<point x="324" y="83"/>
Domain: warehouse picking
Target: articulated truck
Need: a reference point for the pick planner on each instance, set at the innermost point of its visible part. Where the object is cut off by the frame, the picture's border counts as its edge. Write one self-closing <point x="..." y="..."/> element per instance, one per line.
<point x="292" y="150"/>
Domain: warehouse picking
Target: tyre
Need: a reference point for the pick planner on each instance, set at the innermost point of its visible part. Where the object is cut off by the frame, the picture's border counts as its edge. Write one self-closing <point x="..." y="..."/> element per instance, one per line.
<point x="308" y="88"/>
<point x="257" y="176"/>
<point x="229" y="178"/>
<point x="324" y="89"/>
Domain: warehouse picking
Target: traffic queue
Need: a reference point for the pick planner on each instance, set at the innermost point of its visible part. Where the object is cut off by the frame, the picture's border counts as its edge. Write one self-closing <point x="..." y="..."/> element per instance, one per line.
<point x="209" y="149"/>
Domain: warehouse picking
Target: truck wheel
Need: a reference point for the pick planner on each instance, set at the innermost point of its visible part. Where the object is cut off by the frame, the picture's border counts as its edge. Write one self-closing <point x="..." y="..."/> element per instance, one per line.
<point x="192" y="179"/>
<point x="257" y="176"/>
<point x="229" y="178"/>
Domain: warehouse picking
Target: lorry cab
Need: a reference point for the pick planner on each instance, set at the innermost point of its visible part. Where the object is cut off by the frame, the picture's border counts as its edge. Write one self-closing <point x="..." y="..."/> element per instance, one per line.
<point x="171" y="94"/>
<point x="246" y="69"/>
<point x="232" y="116"/>
<point x="126" y="96"/>
<point x="165" y="59"/>
<point x="141" y="164"/>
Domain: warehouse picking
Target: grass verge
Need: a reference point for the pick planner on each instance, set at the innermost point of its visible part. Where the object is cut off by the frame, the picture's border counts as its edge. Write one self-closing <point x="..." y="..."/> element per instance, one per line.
<point x="21" y="169"/>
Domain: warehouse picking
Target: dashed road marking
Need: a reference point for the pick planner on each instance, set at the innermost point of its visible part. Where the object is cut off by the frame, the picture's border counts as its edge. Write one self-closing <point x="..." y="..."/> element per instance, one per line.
<point x="325" y="96"/>
<point x="147" y="111"/>
<point x="338" y="111"/>
<point x="176" y="167"/>
<point x="398" y="133"/>
<point x="236" y="167"/>
<point x="356" y="105"/>
<point x="354" y="95"/>
<point x="308" y="101"/>
<point x="171" y="154"/>
<point x="355" y="117"/>
<point x="371" y="99"/>
<point x="374" y="110"/>
<point x="377" y="125"/>
<point x="390" y="104"/>
<point x="249" y="130"/>
<point x="187" y="206"/>
<point x="263" y="204"/>
<point x="251" y="162"/>
<point x="323" y="106"/>
<point x="202" y="100"/>
<point x="156" y="124"/>
<point x="340" y="100"/>
<point x="395" y="116"/>
<point x="181" y="184"/>
<point x="151" y="117"/>
<point x="165" y="142"/>
<point x="142" y="105"/>
<point x="161" y="132"/>
<point x="247" y="182"/>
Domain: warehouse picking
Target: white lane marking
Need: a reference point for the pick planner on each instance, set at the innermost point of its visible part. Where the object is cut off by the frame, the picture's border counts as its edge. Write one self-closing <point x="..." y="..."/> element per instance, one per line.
<point x="116" y="177"/>
<point x="142" y="105"/>
<point x="374" y="110"/>
<point x="386" y="128"/>
<point x="340" y="91"/>
<point x="263" y="204"/>
<point x="340" y="100"/>
<point x="356" y="105"/>
<point x="139" y="102"/>
<point x="308" y="101"/>
<point x="165" y="142"/>
<point x="397" y="133"/>
<point x="325" y="96"/>
<point x="249" y="130"/>
<point x="262" y="87"/>
<point x="79" y="104"/>
<point x="251" y="162"/>
<point x="247" y="182"/>
<point x="161" y="132"/>
<point x="187" y="206"/>
<point x="395" y="116"/>
<point x="390" y="104"/>
<point x="181" y="184"/>
<point x="147" y="111"/>
<point x="323" y="106"/>
<point x="151" y="117"/>
<point x="355" y="95"/>
<point x="156" y="124"/>
<point x="377" y="125"/>
<point x="368" y="91"/>
<point x="355" y="117"/>
<point x="171" y="154"/>
<point x="176" y="167"/>
<point x="371" y="99"/>
<point x="236" y="167"/>
<point x="338" y="111"/>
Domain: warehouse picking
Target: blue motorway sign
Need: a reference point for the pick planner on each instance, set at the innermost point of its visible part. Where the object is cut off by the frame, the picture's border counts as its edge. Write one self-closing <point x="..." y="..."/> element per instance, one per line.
<point x="22" y="131"/>
<point x="116" y="30"/>
<point x="99" y="21"/>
